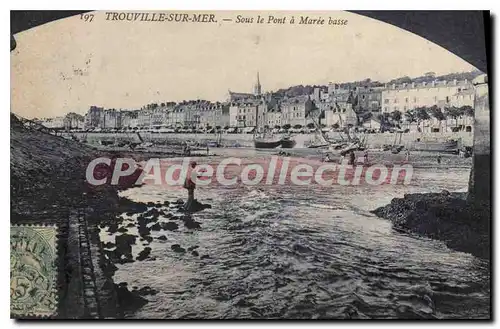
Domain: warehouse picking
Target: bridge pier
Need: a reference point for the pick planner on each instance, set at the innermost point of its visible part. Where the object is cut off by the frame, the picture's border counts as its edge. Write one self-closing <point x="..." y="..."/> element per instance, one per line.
<point x="480" y="179"/>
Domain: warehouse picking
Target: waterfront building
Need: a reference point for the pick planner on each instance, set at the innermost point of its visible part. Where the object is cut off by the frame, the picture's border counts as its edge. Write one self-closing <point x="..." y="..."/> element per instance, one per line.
<point x="369" y="99"/>
<point x="407" y="96"/>
<point x="294" y="110"/>
<point x="274" y="117"/>
<point x="93" y="117"/>
<point x="111" y="119"/>
<point x="233" y="115"/>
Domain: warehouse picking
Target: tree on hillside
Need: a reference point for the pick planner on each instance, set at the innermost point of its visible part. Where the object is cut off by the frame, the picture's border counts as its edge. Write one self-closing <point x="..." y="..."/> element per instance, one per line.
<point x="410" y="116"/>
<point x="335" y="126"/>
<point x="287" y="126"/>
<point x="396" y="116"/>
<point x="468" y="110"/>
<point x="310" y="125"/>
<point x="437" y="113"/>
<point x="422" y="114"/>
<point x="454" y="113"/>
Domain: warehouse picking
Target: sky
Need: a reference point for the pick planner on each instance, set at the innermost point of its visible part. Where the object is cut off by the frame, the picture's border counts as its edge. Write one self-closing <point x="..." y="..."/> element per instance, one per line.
<point x="69" y="65"/>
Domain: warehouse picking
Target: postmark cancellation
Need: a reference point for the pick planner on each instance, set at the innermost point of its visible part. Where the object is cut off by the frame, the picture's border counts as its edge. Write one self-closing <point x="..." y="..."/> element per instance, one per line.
<point x="33" y="271"/>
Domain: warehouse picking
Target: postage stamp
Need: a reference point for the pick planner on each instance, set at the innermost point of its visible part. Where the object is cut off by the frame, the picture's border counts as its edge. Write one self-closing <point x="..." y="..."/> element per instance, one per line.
<point x="33" y="271"/>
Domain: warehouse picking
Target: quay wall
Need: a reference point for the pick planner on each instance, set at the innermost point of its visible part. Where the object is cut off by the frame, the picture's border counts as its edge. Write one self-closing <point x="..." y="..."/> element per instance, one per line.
<point x="373" y="140"/>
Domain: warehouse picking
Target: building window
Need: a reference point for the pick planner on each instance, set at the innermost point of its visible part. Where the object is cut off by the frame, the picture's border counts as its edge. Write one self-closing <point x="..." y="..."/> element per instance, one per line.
<point x="414" y="99"/>
<point x="406" y="99"/>
<point x="435" y="98"/>
<point x="386" y="101"/>
<point x="395" y="100"/>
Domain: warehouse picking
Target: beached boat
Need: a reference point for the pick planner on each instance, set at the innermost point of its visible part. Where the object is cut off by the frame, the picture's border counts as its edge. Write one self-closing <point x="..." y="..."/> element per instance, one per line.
<point x="262" y="143"/>
<point x="262" y="140"/>
<point x="450" y="146"/>
<point x="287" y="142"/>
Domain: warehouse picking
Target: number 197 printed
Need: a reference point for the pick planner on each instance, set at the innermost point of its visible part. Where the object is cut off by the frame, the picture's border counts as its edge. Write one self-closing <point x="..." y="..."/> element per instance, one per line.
<point x="87" y="17"/>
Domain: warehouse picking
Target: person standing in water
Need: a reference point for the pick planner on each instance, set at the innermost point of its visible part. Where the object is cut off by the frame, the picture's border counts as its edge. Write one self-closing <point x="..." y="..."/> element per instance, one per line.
<point x="439" y="159"/>
<point x="190" y="185"/>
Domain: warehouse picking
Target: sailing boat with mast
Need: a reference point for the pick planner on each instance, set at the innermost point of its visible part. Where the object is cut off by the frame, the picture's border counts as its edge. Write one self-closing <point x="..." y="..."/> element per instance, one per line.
<point x="261" y="139"/>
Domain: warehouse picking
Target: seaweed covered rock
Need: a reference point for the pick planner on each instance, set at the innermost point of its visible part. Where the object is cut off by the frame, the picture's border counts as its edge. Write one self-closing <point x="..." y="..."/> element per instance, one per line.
<point x="443" y="216"/>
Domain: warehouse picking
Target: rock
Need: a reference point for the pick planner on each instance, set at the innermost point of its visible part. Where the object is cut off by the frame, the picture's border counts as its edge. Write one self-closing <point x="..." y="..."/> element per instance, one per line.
<point x="143" y="230"/>
<point x="193" y="248"/>
<point x="195" y="253"/>
<point x="156" y="227"/>
<point x="205" y="257"/>
<point x="177" y="248"/>
<point x="146" y="291"/>
<point x="113" y="228"/>
<point x="162" y="238"/>
<point x="150" y="204"/>
<point x="149" y="239"/>
<point x="144" y="254"/>
<point x="169" y="226"/>
<point x="191" y="224"/>
<point x="124" y="243"/>
<point x="128" y="300"/>
<point x="197" y="206"/>
<point x="130" y="225"/>
<point x="108" y="245"/>
<point x="122" y="230"/>
<point x="445" y="193"/>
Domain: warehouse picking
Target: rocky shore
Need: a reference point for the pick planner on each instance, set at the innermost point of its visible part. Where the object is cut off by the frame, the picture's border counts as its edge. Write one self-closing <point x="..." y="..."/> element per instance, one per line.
<point x="48" y="186"/>
<point x="443" y="216"/>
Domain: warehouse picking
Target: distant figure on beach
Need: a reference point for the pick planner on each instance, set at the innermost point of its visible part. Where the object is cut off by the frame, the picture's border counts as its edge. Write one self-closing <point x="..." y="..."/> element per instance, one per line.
<point x="439" y="159"/>
<point x="365" y="156"/>
<point x="352" y="158"/>
<point x="407" y="157"/>
<point x="187" y="150"/>
<point x="190" y="186"/>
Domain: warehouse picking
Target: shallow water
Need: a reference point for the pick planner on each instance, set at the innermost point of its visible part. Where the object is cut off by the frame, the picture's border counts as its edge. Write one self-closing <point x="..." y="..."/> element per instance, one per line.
<point x="306" y="252"/>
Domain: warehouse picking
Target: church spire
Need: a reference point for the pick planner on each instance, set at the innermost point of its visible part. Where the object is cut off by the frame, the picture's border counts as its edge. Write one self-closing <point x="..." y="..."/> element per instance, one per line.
<point x="257" y="88"/>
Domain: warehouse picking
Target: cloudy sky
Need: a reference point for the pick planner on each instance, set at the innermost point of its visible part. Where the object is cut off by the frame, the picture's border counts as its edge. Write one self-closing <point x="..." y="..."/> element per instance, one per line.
<point x="69" y="64"/>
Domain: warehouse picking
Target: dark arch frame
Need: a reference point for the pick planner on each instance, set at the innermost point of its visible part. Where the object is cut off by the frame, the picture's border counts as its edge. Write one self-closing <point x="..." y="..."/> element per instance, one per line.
<point x="467" y="34"/>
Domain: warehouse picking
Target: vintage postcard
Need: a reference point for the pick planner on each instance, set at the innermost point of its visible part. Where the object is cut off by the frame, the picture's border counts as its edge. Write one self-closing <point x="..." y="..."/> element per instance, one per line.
<point x="249" y="165"/>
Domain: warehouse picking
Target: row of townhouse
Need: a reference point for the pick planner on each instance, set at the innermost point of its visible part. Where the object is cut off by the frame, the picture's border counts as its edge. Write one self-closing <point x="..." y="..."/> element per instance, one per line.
<point x="408" y="96"/>
<point x="331" y="105"/>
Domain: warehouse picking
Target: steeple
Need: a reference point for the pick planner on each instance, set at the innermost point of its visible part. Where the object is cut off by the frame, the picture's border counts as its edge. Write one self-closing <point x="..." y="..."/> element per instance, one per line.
<point x="257" y="90"/>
